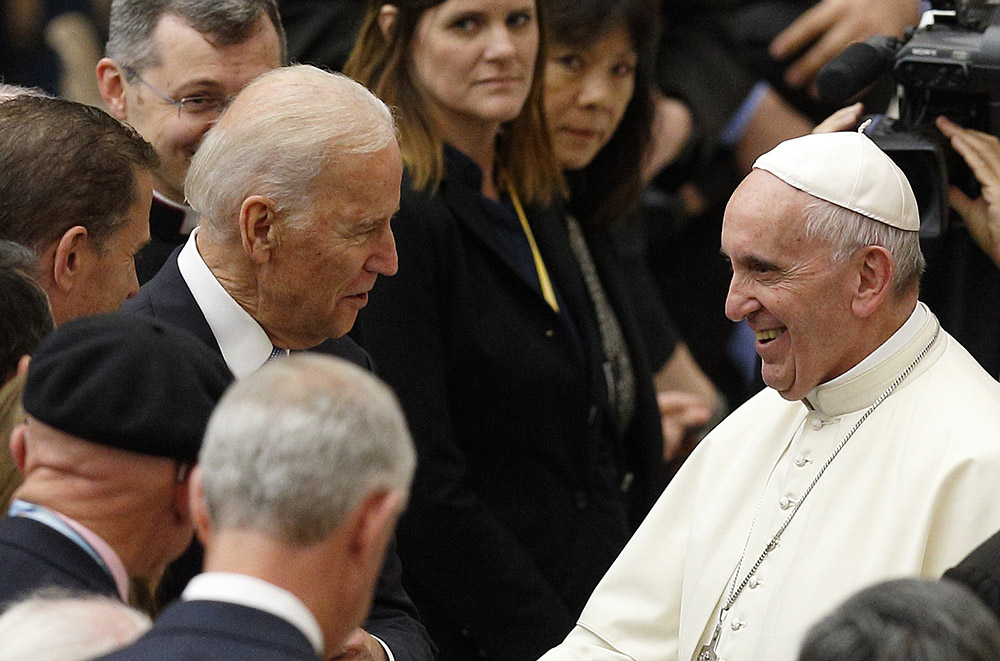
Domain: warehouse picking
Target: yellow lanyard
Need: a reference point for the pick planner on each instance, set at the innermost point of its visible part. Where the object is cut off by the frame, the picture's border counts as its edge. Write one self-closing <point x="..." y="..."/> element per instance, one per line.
<point x="548" y="293"/>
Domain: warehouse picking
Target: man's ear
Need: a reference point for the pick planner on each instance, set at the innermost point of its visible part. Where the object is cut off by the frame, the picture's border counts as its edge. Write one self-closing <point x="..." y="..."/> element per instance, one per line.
<point x="387" y="19"/>
<point x="876" y="272"/>
<point x="18" y="446"/>
<point x="70" y="256"/>
<point x="372" y="526"/>
<point x="259" y="229"/>
<point x="111" y="84"/>
<point x="197" y="507"/>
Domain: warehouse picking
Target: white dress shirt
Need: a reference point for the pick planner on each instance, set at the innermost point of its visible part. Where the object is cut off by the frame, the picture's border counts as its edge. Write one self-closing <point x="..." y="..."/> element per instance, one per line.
<point x="244" y="344"/>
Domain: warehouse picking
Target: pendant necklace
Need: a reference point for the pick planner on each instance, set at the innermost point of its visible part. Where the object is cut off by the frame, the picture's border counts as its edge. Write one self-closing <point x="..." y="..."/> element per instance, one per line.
<point x="708" y="652"/>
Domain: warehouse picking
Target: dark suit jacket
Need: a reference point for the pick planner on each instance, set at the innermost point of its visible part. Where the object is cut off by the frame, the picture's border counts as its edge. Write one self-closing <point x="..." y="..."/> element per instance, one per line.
<point x="393" y="618"/>
<point x="217" y="631"/>
<point x="33" y="555"/>
<point x="980" y="572"/>
<point x="517" y="508"/>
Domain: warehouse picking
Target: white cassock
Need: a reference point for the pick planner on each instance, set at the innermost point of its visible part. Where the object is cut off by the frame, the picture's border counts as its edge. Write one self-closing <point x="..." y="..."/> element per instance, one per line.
<point x="912" y="492"/>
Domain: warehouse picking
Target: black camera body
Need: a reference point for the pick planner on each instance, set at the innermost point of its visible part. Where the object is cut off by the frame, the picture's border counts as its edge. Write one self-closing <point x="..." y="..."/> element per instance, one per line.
<point x="948" y="65"/>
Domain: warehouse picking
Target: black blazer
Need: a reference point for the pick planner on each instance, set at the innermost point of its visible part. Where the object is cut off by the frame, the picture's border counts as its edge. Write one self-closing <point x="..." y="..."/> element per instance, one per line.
<point x="217" y="631"/>
<point x="393" y="616"/>
<point x="517" y="508"/>
<point x="33" y="555"/>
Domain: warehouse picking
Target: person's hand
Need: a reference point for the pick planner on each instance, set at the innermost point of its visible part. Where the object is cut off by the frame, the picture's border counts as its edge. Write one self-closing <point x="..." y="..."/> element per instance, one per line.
<point x="360" y="646"/>
<point x="981" y="152"/>
<point x="681" y="414"/>
<point x="844" y="119"/>
<point x="672" y="126"/>
<point x="830" y="26"/>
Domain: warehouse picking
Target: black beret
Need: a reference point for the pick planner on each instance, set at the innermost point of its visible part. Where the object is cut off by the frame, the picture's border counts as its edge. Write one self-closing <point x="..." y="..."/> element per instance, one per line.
<point x="126" y="381"/>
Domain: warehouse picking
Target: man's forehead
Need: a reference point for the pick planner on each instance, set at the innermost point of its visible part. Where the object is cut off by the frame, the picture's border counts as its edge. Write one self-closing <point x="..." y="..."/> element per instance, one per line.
<point x="199" y="57"/>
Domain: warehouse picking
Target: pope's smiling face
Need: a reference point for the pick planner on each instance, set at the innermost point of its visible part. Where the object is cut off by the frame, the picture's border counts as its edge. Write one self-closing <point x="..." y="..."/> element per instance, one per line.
<point x="794" y="296"/>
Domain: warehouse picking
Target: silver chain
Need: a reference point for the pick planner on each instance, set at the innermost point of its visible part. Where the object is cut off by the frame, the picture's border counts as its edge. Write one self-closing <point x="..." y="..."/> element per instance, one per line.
<point x="734" y="592"/>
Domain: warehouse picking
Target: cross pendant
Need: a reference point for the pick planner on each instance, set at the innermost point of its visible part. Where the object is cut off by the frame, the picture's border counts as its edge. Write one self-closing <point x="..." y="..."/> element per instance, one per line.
<point x="707" y="652"/>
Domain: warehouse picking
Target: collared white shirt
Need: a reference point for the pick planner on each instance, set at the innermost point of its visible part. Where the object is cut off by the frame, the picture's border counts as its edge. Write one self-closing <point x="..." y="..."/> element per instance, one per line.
<point x="255" y="593"/>
<point x="244" y="344"/>
<point x="191" y="217"/>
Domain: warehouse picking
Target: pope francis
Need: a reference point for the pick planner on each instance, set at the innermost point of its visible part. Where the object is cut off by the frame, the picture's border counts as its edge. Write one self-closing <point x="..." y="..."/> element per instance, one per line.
<point x="873" y="454"/>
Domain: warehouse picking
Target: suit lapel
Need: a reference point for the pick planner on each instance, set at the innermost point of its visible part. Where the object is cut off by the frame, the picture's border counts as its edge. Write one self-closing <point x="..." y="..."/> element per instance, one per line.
<point x="169" y="298"/>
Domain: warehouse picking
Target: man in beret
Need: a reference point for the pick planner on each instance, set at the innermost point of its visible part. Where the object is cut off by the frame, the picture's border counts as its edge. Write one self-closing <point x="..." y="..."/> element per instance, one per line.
<point x="873" y="453"/>
<point x="105" y="454"/>
<point x="306" y="465"/>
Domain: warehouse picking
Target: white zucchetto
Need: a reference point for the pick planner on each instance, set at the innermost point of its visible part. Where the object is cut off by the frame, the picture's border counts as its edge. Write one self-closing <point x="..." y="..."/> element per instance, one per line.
<point x="847" y="169"/>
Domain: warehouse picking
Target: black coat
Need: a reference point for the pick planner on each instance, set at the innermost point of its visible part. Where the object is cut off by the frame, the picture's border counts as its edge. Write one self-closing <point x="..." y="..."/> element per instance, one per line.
<point x="517" y="508"/>
<point x="393" y="617"/>
<point x="217" y="631"/>
<point x="33" y="556"/>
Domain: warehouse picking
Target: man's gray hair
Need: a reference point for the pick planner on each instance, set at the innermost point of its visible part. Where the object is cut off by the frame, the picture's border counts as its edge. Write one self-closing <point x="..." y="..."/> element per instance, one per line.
<point x="54" y="624"/>
<point x="283" y="130"/>
<point x="226" y="22"/>
<point x="294" y="448"/>
<point x="847" y="230"/>
<point x="906" y="620"/>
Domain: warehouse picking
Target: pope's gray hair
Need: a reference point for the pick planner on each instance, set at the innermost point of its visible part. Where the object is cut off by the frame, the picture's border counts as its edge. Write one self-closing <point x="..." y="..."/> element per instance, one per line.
<point x="846" y="231"/>
<point x="283" y="130"/>
<point x="294" y="448"/>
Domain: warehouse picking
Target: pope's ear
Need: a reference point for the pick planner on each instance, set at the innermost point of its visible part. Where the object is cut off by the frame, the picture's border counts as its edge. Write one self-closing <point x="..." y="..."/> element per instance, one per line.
<point x="877" y="270"/>
<point x="387" y="20"/>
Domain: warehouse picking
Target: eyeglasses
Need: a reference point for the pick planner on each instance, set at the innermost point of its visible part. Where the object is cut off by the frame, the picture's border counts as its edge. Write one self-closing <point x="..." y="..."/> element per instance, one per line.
<point x="200" y="105"/>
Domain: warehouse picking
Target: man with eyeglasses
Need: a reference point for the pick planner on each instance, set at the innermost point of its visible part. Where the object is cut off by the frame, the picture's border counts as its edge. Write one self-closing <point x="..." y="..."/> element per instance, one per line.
<point x="172" y="67"/>
<point x="105" y="453"/>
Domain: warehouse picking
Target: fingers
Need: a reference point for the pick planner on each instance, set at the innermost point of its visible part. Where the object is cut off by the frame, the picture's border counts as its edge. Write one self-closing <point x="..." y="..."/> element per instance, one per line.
<point x="803" y="71"/>
<point x="804" y="30"/>
<point x="830" y="26"/>
<point x="680" y="413"/>
<point x="844" y="119"/>
<point x="981" y="151"/>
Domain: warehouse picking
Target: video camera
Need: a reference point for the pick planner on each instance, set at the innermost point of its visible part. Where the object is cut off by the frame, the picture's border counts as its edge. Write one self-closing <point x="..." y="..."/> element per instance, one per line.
<point x="948" y="65"/>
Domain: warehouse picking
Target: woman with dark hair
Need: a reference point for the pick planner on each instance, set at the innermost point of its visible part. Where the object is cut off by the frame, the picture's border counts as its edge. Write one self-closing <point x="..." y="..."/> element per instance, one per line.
<point x="600" y="109"/>
<point x="520" y="370"/>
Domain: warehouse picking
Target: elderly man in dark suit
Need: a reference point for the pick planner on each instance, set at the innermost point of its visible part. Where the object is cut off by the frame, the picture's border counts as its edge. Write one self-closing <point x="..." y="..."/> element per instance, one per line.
<point x="105" y="454"/>
<point x="295" y="201"/>
<point x="305" y="467"/>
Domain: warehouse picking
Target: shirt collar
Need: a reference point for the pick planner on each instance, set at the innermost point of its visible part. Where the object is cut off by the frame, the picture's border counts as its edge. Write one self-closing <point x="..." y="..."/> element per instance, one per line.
<point x="191" y="217"/>
<point x="255" y="593"/>
<point x="244" y="344"/>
